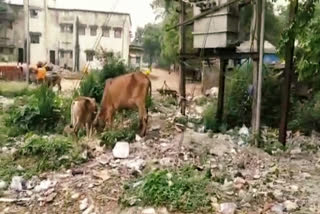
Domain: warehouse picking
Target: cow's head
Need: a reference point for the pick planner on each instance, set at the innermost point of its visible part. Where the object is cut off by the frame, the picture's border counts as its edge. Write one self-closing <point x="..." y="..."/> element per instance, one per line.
<point x="99" y="123"/>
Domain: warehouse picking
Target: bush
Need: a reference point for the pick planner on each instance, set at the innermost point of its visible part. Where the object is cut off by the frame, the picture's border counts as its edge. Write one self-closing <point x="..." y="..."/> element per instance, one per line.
<point x="41" y="112"/>
<point x="120" y="132"/>
<point x="50" y="153"/>
<point x="185" y="190"/>
<point x="238" y="103"/>
<point x="93" y="84"/>
<point x="306" y="115"/>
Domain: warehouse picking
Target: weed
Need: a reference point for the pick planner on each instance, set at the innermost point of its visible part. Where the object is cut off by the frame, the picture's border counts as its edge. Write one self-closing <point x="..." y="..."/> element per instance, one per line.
<point x="185" y="190"/>
<point x="39" y="112"/>
<point x="121" y="132"/>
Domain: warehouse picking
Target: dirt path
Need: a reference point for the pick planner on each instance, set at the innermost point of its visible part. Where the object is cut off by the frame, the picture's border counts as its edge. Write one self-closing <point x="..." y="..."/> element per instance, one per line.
<point x="157" y="77"/>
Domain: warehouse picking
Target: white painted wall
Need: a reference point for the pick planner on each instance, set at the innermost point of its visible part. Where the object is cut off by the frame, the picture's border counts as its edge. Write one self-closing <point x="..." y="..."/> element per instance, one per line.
<point x="52" y="39"/>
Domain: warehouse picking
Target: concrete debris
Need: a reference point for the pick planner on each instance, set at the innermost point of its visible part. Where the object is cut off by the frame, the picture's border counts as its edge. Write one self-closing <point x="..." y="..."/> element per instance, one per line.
<point x="244" y="131"/>
<point x="3" y="185"/>
<point x="290" y="206"/>
<point x="103" y="175"/>
<point x="135" y="164"/>
<point x="17" y="183"/>
<point x="228" y="208"/>
<point x="149" y="211"/>
<point x="121" y="150"/>
<point x="84" y="204"/>
<point x="44" y="186"/>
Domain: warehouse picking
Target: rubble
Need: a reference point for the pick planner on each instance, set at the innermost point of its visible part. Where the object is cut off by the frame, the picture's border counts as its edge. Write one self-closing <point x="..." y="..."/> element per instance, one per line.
<point x="17" y="183"/>
<point x="121" y="150"/>
<point x="149" y="211"/>
<point x="3" y="185"/>
<point x="228" y="208"/>
<point x="84" y="204"/>
<point x="290" y="206"/>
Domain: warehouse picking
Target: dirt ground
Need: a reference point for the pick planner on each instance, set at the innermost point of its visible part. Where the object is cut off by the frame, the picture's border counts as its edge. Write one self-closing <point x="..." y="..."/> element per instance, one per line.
<point x="157" y="77"/>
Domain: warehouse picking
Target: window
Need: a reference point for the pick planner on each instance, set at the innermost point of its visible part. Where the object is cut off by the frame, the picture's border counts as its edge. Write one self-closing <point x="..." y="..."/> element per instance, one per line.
<point x="34" y="13"/>
<point x="138" y="59"/>
<point x="82" y="30"/>
<point x="35" y="38"/>
<point x="71" y="54"/>
<point x="93" y="30"/>
<point x="1" y="50"/>
<point x="66" y="28"/>
<point x="117" y="32"/>
<point x="105" y="32"/>
<point x="90" y="54"/>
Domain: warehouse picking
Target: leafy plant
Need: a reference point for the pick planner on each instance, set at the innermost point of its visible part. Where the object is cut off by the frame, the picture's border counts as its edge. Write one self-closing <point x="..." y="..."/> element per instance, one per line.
<point x="185" y="190"/>
<point x="120" y="132"/>
<point x="39" y="112"/>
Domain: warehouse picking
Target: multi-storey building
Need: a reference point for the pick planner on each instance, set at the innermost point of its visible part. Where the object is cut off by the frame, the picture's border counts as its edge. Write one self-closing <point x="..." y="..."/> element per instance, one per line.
<point x="66" y="37"/>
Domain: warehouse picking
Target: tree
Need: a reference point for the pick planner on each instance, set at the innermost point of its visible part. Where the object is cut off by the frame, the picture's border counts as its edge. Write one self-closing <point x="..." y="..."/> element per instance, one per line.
<point x="151" y="41"/>
<point x="273" y="25"/>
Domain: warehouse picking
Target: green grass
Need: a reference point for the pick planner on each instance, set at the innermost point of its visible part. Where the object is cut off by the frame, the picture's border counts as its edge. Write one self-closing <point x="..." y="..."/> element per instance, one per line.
<point x="185" y="189"/>
<point x="13" y="89"/>
<point x="40" y="154"/>
<point x="121" y="132"/>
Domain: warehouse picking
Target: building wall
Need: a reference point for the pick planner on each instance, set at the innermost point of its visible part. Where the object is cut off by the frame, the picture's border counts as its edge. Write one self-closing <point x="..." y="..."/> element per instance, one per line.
<point x="48" y="25"/>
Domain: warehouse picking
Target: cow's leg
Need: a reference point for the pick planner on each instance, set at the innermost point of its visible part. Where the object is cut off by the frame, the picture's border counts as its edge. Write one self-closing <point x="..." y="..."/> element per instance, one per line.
<point x="110" y="118"/>
<point x="143" y="116"/>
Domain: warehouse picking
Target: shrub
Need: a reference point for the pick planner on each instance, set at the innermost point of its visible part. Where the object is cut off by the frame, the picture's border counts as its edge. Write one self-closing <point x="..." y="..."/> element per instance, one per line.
<point x="306" y="115"/>
<point x="238" y="103"/>
<point x="93" y="84"/>
<point x="50" y="153"/>
<point x="120" y="132"/>
<point x="39" y="112"/>
<point x="185" y="190"/>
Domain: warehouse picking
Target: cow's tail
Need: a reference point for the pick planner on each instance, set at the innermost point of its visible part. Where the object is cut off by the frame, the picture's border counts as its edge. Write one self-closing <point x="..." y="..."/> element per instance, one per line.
<point x="149" y="97"/>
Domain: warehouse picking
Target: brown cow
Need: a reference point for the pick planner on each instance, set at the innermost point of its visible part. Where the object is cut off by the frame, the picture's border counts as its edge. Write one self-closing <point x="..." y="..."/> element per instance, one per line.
<point x="53" y="80"/>
<point x="83" y="113"/>
<point x="125" y="92"/>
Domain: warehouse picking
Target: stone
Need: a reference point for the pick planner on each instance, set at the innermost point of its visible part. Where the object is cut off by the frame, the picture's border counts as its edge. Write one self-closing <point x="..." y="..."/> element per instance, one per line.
<point x="278" y="194"/>
<point x="296" y="151"/>
<point x="163" y="210"/>
<point x="290" y="206"/>
<point x="228" y="208"/>
<point x="138" y="138"/>
<point x="155" y="127"/>
<point x="239" y="183"/>
<point x="148" y="211"/>
<point x="89" y="210"/>
<point x="136" y="164"/>
<point x="244" y="131"/>
<point x="32" y="182"/>
<point x="75" y="196"/>
<point x="17" y="183"/>
<point x="4" y="149"/>
<point x="277" y="209"/>
<point x="43" y="186"/>
<point x="306" y="175"/>
<point x="103" y="175"/>
<point x="121" y="150"/>
<point x="3" y="185"/>
<point x="294" y="188"/>
<point x="84" y="204"/>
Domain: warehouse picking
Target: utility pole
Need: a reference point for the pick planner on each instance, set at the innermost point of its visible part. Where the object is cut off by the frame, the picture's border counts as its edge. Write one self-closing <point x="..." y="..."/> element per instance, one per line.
<point x="255" y="46"/>
<point x="26" y="36"/>
<point x="222" y="72"/>
<point x="259" y="89"/>
<point x="76" y="55"/>
<point x="182" y="48"/>
<point x="289" y="52"/>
